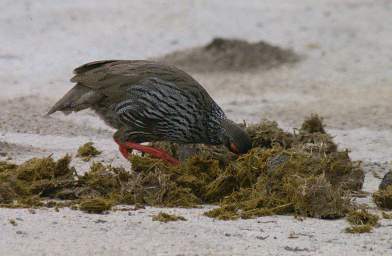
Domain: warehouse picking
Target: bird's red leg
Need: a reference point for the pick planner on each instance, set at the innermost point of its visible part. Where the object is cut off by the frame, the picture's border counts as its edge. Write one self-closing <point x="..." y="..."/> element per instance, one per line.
<point x="124" y="147"/>
<point x="158" y="153"/>
<point x="124" y="150"/>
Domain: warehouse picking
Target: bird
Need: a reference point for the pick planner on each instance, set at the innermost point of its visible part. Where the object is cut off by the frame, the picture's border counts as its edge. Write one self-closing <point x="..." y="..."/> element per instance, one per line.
<point x="149" y="101"/>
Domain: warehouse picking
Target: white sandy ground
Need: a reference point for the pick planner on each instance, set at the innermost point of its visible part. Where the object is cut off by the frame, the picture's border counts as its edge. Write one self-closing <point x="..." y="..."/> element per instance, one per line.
<point x="345" y="75"/>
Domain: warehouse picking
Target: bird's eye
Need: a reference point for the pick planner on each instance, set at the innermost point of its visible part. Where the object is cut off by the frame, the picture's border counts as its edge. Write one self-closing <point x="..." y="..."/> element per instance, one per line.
<point x="234" y="148"/>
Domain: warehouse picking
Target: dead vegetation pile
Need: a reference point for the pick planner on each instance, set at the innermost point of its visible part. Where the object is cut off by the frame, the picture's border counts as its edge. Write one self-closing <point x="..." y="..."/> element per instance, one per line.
<point x="301" y="174"/>
<point x="230" y="55"/>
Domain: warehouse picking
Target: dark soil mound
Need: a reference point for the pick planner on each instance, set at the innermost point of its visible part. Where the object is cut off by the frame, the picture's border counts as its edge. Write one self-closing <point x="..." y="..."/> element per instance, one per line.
<point x="230" y="55"/>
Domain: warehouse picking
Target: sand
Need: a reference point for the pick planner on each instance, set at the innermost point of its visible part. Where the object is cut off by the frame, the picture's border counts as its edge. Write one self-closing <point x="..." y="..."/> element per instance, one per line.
<point x="343" y="75"/>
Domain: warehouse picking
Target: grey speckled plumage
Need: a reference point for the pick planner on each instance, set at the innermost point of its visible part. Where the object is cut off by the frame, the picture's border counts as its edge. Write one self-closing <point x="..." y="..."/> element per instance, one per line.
<point x="149" y="101"/>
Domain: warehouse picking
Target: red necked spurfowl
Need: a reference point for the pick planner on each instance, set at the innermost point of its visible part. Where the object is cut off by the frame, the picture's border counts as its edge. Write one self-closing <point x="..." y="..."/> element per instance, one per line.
<point x="146" y="101"/>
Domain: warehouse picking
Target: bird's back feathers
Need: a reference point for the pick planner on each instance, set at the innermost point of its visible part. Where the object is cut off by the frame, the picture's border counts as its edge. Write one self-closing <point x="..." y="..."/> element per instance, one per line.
<point x="110" y="78"/>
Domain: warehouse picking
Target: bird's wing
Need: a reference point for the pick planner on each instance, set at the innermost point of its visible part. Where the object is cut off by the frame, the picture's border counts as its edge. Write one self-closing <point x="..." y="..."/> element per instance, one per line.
<point x="108" y="73"/>
<point x="101" y="74"/>
<point x="159" y="107"/>
<point x="113" y="77"/>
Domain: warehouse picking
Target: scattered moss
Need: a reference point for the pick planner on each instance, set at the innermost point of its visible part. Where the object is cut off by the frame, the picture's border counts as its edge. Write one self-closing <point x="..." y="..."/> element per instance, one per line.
<point x="88" y="151"/>
<point x="224" y="212"/>
<point x="383" y="197"/>
<point x="165" y="217"/>
<point x="95" y="205"/>
<point x="359" y="229"/>
<point x="13" y="222"/>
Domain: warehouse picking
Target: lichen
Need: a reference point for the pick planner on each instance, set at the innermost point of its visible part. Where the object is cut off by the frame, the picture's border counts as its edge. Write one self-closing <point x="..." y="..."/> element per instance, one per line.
<point x="87" y="151"/>
<point x="165" y="217"/>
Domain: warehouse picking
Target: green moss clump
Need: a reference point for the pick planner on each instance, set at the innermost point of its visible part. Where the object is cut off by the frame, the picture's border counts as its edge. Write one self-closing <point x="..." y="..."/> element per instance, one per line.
<point x="24" y="185"/>
<point x="313" y="138"/>
<point x="362" y="217"/>
<point x="165" y="217"/>
<point x="358" y="229"/>
<point x="267" y="134"/>
<point x="88" y="151"/>
<point x="95" y="205"/>
<point x="285" y="182"/>
<point x="224" y="212"/>
<point x="37" y="169"/>
<point x="361" y="221"/>
<point x="158" y="184"/>
<point x="39" y="180"/>
<point x="383" y="197"/>
<point x="315" y="196"/>
<point x="313" y="124"/>
<point x="103" y="181"/>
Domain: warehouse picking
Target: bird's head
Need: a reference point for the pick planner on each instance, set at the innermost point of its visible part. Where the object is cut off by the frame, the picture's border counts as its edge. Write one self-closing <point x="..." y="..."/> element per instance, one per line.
<point x="234" y="137"/>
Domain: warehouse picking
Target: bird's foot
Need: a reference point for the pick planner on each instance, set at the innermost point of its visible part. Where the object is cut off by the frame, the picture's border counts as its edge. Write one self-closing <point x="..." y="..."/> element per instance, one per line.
<point x="154" y="152"/>
<point x="124" y="150"/>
